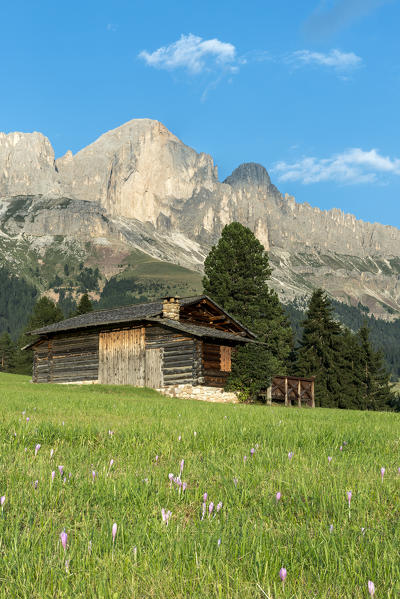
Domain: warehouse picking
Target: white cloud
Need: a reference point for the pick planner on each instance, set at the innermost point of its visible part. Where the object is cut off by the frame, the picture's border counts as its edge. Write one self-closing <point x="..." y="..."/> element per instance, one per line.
<point x="350" y="167"/>
<point x="193" y="53"/>
<point x="341" y="61"/>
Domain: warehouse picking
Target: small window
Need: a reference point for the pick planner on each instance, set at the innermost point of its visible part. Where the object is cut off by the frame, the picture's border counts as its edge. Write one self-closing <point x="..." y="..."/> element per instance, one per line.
<point x="226" y="353"/>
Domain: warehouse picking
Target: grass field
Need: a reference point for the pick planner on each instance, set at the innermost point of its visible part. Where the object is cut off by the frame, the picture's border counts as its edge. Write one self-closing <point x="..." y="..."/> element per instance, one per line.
<point x="235" y="552"/>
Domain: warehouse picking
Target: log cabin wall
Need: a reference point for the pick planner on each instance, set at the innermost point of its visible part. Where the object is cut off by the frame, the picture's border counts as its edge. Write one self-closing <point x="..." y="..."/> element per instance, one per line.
<point x="180" y="356"/>
<point x="216" y="361"/>
<point x="67" y="359"/>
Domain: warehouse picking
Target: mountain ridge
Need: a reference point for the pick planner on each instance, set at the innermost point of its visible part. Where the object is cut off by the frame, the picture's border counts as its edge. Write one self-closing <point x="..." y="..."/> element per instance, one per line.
<point x="138" y="187"/>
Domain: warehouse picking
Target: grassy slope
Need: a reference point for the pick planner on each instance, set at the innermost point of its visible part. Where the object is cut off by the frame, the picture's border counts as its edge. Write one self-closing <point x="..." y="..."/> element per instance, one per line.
<point x="258" y="535"/>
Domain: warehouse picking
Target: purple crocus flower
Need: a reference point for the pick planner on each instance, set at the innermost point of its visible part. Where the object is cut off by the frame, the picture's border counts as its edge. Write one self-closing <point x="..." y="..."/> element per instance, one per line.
<point x="35" y="484"/>
<point x="53" y="475"/>
<point x="278" y="496"/>
<point x="27" y="418"/>
<point x="398" y="470"/>
<point x="181" y="466"/>
<point x="61" y="470"/>
<point x="180" y="437"/>
<point x="184" y="487"/>
<point x="205" y="496"/>
<point x="349" y="494"/>
<point x="2" y="500"/>
<point x="244" y="458"/>
<point x="51" y="453"/>
<point x="165" y="515"/>
<point x="371" y="588"/>
<point x="329" y="459"/>
<point x="219" y="506"/>
<point x="204" y="508"/>
<point x="210" y="508"/>
<point x="382" y="473"/>
<point x="156" y="459"/>
<point x="111" y="463"/>
<point x="341" y="448"/>
<point x="252" y="450"/>
<point x="93" y="475"/>
<point x="282" y="575"/>
<point x="290" y="455"/>
<point x="38" y="446"/>
<point x="64" y="538"/>
<point x="219" y="542"/>
<point x="64" y="480"/>
<point x="114" y="531"/>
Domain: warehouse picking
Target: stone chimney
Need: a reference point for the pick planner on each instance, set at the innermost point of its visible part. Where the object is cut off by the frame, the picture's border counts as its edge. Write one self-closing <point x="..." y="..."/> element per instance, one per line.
<point x="171" y="307"/>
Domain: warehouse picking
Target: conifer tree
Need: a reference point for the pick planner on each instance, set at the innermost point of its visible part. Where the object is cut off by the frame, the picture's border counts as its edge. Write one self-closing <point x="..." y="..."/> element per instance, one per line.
<point x="236" y="274"/>
<point x="45" y="312"/>
<point x="375" y="390"/>
<point x="320" y="350"/>
<point x="7" y="353"/>
<point x="84" y="305"/>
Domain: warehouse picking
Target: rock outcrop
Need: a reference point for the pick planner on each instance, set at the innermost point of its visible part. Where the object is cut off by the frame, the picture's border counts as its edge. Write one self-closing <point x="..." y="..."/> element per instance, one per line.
<point x="140" y="186"/>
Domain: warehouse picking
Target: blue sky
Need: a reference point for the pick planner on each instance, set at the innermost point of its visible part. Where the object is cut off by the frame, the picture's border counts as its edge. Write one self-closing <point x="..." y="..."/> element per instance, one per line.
<point x="309" y="89"/>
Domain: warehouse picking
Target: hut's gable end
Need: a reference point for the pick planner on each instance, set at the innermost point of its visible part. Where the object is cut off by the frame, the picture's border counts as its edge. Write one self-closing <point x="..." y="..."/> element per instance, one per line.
<point x="206" y="313"/>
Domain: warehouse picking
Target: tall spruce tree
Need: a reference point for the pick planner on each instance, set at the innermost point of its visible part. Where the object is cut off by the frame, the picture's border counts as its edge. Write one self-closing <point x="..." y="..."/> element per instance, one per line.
<point x="320" y="351"/>
<point x="45" y="312"/>
<point x="236" y="274"/>
<point x="375" y="392"/>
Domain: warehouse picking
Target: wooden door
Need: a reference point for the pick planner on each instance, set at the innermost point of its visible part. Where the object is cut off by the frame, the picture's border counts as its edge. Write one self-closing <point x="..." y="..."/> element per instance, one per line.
<point x="153" y="376"/>
<point x="122" y="357"/>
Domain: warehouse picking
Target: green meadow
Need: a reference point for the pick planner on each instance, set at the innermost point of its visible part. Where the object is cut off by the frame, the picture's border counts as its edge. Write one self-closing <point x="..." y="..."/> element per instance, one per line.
<point x="329" y="548"/>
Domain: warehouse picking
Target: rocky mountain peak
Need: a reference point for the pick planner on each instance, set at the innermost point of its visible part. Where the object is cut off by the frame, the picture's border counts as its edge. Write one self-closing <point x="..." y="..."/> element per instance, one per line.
<point x="250" y="173"/>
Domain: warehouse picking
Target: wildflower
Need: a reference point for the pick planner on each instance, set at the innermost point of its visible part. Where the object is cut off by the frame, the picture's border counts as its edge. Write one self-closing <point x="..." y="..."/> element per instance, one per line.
<point x="282" y="576"/>
<point x="329" y="459"/>
<point x="110" y="433"/>
<point x="67" y="565"/>
<point x="204" y="508"/>
<point x="371" y="588"/>
<point x="2" y="501"/>
<point x="61" y="470"/>
<point x="195" y="433"/>
<point x="219" y="506"/>
<point x="165" y="515"/>
<point x="93" y="475"/>
<point x="90" y="547"/>
<point x="35" y="484"/>
<point x="64" y="538"/>
<point x="27" y="418"/>
<point x="205" y="497"/>
<point x="278" y="496"/>
<point x="37" y="448"/>
<point x="64" y="480"/>
<point x="244" y="458"/>
<point x="156" y="459"/>
<point x="210" y="508"/>
<point x="179" y="438"/>
<point x="219" y="542"/>
<point x="331" y="528"/>
<point x="252" y="450"/>
<point x="181" y="466"/>
<point x="184" y="487"/>
<point x="51" y="453"/>
<point x="135" y="554"/>
<point x="398" y="470"/>
<point x="290" y="455"/>
<point x="111" y="463"/>
<point x="53" y="475"/>
<point x="363" y="531"/>
<point x="235" y="481"/>
<point x="114" y="531"/>
<point x="171" y="477"/>
<point x="349" y="497"/>
<point x="341" y="448"/>
<point x="382" y="473"/>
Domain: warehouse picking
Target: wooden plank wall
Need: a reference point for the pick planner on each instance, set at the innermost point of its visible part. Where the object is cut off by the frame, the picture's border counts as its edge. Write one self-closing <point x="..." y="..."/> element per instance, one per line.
<point x="67" y="358"/>
<point x="181" y="360"/>
<point x="214" y="376"/>
<point x="122" y="357"/>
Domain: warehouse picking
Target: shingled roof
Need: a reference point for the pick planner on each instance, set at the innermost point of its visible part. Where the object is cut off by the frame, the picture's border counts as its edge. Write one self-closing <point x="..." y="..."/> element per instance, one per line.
<point x="135" y="312"/>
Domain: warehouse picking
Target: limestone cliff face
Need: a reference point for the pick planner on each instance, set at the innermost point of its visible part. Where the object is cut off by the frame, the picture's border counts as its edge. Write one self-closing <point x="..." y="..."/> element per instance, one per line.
<point x="140" y="186"/>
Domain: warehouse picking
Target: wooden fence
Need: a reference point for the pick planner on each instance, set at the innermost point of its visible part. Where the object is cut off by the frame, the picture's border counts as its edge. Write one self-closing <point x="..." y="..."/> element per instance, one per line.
<point x="292" y="390"/>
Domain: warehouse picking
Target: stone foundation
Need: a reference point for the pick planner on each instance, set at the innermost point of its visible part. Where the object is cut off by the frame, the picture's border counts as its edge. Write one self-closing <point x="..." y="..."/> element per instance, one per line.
<point x="213" y="394"/>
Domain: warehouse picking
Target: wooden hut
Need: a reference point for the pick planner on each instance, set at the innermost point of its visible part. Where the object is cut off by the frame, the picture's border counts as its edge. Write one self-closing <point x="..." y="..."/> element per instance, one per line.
<point x="173" y="341"/>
